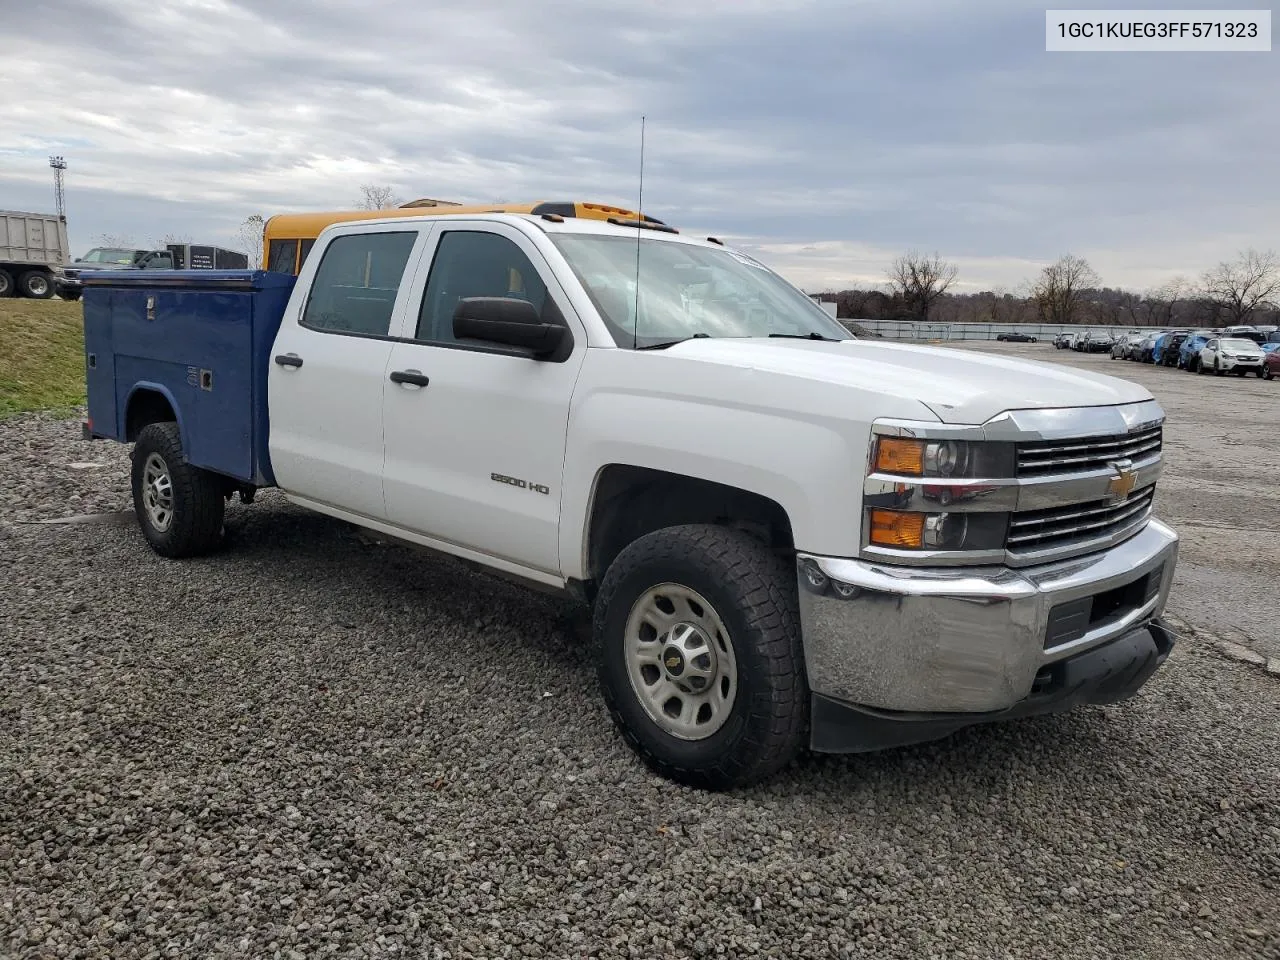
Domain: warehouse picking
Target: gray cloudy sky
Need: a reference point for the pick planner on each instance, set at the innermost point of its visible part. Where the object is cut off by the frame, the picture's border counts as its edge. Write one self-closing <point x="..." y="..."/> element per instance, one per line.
<point x="826" y="136"/>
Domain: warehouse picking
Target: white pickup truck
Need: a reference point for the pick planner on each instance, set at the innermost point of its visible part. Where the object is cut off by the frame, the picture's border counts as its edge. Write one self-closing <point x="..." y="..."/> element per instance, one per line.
<point x="790" y="537"/>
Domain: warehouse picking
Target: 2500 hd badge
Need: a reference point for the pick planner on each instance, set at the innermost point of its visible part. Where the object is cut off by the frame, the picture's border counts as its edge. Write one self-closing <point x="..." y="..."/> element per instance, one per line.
<point x="522" y="484"/>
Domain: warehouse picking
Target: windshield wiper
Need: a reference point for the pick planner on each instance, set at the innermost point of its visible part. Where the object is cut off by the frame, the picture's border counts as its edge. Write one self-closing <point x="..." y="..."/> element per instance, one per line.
<point x="671" y="343"/>
<point x="804" y="336"/>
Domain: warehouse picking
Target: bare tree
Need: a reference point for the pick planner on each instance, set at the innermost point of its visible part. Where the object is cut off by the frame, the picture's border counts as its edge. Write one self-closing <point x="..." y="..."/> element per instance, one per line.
<point x="1243" y="286"/>
<point x="920" y="281"/>
<point x="118" y="240"/>
<point x="377" y="197"/>
<point x="1157" y="308"/>
<point x="1059" y="291"/>
<point x="249" y="239"/>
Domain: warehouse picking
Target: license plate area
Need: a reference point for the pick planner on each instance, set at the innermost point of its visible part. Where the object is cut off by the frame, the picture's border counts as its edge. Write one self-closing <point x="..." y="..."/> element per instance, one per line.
<point x="1072" y="620"/>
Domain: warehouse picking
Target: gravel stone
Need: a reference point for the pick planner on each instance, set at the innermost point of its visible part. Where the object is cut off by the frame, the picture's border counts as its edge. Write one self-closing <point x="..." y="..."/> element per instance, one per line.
<point x="316" y="743"/>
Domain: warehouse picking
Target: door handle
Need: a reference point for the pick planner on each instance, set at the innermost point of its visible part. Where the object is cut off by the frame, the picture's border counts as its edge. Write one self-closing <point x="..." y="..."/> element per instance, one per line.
<point x="415" y="377"/>
<point x="288" y="360"/>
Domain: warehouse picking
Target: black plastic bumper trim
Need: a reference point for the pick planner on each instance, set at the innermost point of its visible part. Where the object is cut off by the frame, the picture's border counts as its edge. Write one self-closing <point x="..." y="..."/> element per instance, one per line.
<point x="1112" y="672"/>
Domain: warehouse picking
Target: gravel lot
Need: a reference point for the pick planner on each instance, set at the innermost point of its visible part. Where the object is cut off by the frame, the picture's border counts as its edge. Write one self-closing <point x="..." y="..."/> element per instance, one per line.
<point x="316" y="744"/>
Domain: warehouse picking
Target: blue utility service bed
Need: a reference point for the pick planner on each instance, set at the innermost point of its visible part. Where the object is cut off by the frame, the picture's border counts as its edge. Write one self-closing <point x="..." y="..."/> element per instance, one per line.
<point x="201" y="339"/>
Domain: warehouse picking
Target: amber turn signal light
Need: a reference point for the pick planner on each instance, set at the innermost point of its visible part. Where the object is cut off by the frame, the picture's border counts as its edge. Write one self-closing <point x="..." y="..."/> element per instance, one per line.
<point x="893" y="528"/>
<point x="896" y="455"/>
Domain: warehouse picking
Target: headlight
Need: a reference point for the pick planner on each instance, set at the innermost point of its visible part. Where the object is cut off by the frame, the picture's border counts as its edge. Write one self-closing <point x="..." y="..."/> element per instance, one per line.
<point x="948" y="459"/>
<point x="903" y="530"/>
<point x="945" y="500"/>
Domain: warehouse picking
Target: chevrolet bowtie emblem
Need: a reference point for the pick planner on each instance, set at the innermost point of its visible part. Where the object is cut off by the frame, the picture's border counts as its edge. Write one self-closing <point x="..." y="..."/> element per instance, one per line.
<point x="1122" y="483"/>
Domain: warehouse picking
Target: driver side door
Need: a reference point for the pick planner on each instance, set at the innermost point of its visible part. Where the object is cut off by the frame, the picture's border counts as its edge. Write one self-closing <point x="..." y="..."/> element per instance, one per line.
<point x="474" y="435"/>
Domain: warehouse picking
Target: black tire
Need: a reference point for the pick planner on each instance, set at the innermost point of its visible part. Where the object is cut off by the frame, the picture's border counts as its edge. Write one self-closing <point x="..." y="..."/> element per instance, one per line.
<point x="71" y="295"/>
<point x="754" y="593"/>
<point x="197" y="499"/>
<point x="35" y="285"/>
<point x="6" y="284"/>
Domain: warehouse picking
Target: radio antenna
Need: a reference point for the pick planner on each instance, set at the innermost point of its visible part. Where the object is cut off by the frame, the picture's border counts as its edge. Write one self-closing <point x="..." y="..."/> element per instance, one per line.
<point x="635" y="325"/>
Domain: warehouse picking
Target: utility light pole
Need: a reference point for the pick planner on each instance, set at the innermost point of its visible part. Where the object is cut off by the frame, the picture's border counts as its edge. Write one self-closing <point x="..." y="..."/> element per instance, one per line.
<point x="59" y="194"/>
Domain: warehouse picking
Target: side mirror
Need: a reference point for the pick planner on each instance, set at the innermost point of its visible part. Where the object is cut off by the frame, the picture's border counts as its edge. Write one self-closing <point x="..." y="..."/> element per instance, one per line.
<point x="508" y="321"/>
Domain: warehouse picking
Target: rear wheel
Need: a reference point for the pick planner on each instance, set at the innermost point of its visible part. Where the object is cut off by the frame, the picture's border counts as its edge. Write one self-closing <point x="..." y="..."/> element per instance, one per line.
<point x="179" y="507"/>
<point x="697" y="645"/>
<point x="6" y="284"/>
<point x="35" y="284"/>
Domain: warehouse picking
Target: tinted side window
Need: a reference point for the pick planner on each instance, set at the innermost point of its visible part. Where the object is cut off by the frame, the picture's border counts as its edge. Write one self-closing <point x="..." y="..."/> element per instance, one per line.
<point x="474" y="264"/>
<point x="356" y="284"/>
<point x="304" y="250"/>
<point x="281" y="255"/>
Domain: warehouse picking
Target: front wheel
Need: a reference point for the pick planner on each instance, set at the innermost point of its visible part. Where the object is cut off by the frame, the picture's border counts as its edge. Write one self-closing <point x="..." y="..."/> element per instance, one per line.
<point x="697" y="644"/>
<point x="179" y="507"/>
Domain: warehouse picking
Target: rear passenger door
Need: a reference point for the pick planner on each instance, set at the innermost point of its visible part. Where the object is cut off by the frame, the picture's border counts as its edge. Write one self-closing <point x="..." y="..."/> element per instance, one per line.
<point x="328" y="368"/>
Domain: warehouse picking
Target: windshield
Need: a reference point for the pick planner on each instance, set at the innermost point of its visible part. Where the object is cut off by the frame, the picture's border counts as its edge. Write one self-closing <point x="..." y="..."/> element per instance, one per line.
<point x="688" y="290"/>
<point x="1238" y="345"/>
<point x="107" y="255"/>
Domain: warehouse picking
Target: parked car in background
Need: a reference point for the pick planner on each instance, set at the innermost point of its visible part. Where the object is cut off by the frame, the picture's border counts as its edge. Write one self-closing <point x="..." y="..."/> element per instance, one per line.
<point x="1093" y="341"/>
<point x="1231" y="355"/>
<point x="1273" y="336"/>
<point x="1099" y="342"/>
<point x="1245" y="333"/>
<point x="1271" y="360"/>
<point x="1189" y="352"/>
<point x="1017" y="337"/>
<point x="1167" y="346"/>
<point x="70" y="282"/>
<point x="1144" y="349"/>
<point x="1064" y="341"/>
<point x="1124" y="346"/>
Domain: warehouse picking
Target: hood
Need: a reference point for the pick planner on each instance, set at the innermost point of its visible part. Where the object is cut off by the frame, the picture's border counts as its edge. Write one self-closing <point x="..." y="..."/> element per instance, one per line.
<point x="957" y="386"/>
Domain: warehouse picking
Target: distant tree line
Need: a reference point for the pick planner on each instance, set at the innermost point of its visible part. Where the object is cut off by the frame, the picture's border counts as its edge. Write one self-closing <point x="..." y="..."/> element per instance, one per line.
<point x="918" y="288"/>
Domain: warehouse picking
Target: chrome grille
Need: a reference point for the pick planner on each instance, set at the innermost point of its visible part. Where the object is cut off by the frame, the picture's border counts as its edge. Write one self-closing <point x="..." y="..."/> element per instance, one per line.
<point x="1079" y="523"/>
<point x="1043" y="457"/>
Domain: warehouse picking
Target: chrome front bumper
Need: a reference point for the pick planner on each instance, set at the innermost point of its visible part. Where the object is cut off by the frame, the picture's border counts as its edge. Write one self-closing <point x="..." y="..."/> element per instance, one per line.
<point x="964" y="640"/>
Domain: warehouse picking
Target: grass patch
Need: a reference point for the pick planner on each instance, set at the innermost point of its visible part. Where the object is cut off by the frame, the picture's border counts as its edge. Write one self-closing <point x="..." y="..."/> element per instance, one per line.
<point x="41" y="355"/>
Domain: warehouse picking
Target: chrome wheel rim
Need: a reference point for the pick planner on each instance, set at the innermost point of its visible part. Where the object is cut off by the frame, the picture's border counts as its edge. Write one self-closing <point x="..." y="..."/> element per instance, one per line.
<point x="38" y="286"/>
<point x="157" y="492"/>
<point x="680" y="661"/>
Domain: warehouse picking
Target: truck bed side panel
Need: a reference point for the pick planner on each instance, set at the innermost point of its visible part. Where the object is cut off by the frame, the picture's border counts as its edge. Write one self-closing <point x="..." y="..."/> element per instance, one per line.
<point x="203" y="342"/>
